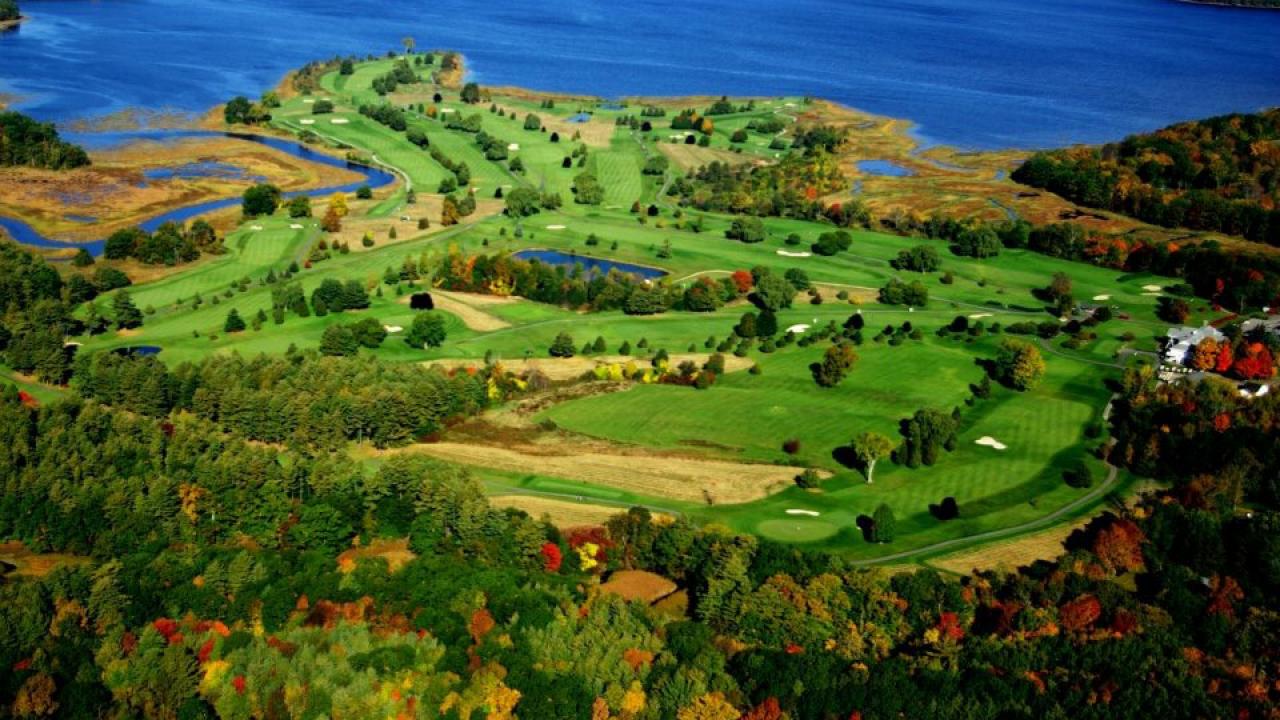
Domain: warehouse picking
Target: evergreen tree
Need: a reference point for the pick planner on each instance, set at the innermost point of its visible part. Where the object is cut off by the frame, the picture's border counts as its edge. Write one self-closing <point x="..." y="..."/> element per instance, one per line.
<point x="127" y="314"/>
<point x="884" y="525"/>
<point x="234" y="323"/>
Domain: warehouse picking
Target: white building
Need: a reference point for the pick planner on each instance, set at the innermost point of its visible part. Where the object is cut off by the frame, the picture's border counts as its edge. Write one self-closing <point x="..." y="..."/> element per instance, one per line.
<point x="1180" y="342"/>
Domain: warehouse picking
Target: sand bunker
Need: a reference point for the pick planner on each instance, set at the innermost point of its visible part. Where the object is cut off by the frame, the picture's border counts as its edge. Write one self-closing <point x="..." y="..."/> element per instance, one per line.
<point x="802" y="327"/>
<point x="295" y="226"/>
<point x="979" y="316"/>
<point x="990" y="442"/>
<point x="307" y="121"/>
<point x="555" y="227"/>
<point x="255" y="227"/>
<point x="513" y="146"/>
<point x="1101" y="298"/>
<point x="339" y="121"/>
<point x="392" y="328"/>
<point x="1152" y="288"/>
<point x="308" y="101"/>
<point x="785" y="253"/>
<point x="809" y="513"/>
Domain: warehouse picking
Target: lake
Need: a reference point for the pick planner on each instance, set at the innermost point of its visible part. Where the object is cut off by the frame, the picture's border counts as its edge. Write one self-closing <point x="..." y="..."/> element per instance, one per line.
<point x="974" y="73"/>
<point x="590" y="265"/>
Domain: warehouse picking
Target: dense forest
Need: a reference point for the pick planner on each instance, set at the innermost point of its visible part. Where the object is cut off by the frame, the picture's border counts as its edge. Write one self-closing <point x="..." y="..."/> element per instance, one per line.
<point x="9" y="10"/>
<point x="1220" y="174"/>
<point x="213" y="585"/>
<point x="27" y="143"/>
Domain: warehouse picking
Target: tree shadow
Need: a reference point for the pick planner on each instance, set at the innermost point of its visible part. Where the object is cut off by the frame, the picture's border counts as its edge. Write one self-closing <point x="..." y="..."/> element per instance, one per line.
<point x="867" y="526"/>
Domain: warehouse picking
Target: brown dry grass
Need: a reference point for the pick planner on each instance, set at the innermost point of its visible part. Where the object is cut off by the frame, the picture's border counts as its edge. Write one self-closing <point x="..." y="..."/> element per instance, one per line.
<point x="631" y="585"/>
<point x="680" y="478"/>
<point x="465" y="307"/>
<point x="558" y="369"/>
<point x="110" y="191"/>
<point x="31" y="564"/>
<point x="396" y="552"/>
<point x="563" y="513"/>
<point x="857" y="295"/>
<point x="689" y="157"/>
<point x="1009" y="554"/>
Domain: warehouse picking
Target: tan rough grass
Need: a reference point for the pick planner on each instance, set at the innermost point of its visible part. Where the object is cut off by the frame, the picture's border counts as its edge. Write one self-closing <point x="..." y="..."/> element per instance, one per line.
<point x="563" y="513"/>
<point x="396" y="552"/>
<point x="114" y="191"/>
<point x="639" y="585"/>
<point x="31" y="564"/>
<point x="558" y="369"/>
<point x="1009" y="554"/>
<point x="465" y="307"/>
<point x="679" y="478"/>
<point x="688" y="157"/>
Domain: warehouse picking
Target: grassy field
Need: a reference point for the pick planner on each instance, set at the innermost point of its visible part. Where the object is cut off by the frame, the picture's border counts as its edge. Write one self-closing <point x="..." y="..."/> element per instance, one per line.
<point x="746" y="417"/>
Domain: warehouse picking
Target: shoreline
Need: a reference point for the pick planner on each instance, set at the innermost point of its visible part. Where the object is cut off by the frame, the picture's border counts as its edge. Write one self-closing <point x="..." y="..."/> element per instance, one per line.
<point x="11" y="24"/>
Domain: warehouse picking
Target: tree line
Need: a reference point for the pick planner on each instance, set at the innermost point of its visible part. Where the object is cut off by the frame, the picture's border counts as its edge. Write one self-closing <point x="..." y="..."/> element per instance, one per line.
<point x="1220" y="174"/>
<point x="25" y="142"/>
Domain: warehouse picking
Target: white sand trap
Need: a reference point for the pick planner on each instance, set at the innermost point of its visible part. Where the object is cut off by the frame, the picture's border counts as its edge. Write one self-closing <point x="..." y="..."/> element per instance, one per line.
<point x="295" y="226"/>
<point x="447" y="110"/>
<point x="392" y="328"/>
<point x="802" y="327"/>
<point x="1101" y="298"/>
<point x="308" y="101"/>
<point x="809" y="513"/>
<point x="979" y="316"/>
<point x="255" y="227"/>
<point x="1152" y="288"/>
<point x="339" y="121"/>
<point x="990" y="442"/>
<point x="513" y="146"/>
<point x="307" y="121"/>
<point x="555" y="227"/>
<point x="786" y="253"/>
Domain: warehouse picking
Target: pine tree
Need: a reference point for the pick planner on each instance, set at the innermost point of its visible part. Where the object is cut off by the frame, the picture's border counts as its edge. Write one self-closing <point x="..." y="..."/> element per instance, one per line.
<point x="884" y="525"/>
<point x="127" y="314"/>
<point x="234" y="323"/>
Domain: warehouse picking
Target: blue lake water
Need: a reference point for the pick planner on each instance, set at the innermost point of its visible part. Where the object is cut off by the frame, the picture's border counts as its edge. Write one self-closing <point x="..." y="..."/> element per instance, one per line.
<point x="373" y="177"/>
<point x="201" y="169"/>
<point x="884" y="167"/>
<point x="139" y="350"/>
<point x="589" y="264"/>
<point x="974" y="73"/>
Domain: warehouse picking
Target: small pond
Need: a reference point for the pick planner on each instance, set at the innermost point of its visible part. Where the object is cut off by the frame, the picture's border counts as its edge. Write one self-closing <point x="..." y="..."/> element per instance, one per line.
<point x="580" y="117"/>
<point x="139" y="350"/>
<point x="884" y="168"/>
<point x="589" y="264"/>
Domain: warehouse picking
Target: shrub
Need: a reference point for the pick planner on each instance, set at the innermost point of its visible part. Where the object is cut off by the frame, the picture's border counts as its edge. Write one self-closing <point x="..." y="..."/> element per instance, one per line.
<point x="808" y="479"/>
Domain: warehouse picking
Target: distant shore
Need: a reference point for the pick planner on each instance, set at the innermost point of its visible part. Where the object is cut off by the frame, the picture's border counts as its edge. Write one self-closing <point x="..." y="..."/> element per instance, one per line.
<point x="10" y="24"/>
